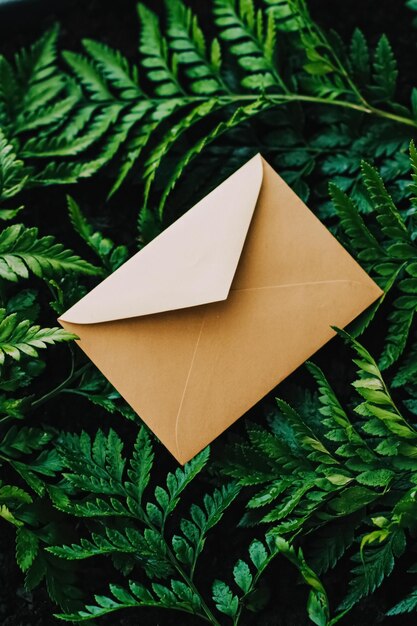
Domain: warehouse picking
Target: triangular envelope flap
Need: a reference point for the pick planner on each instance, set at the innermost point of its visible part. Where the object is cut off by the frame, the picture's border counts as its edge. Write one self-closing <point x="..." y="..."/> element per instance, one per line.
<point x="192" y="262"/>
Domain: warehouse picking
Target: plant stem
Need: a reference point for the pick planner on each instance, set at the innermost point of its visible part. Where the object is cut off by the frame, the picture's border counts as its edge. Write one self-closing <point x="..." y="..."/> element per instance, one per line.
<point x="254" y="582"/>
<point x="73" y="375"/>
<point x="211" y="618"/>
<point x="283" y="98"/>
<point x="362" y="108"/>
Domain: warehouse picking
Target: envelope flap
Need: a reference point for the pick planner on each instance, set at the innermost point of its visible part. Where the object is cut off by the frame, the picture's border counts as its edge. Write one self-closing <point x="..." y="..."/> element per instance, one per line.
<point x="192" y="262"/>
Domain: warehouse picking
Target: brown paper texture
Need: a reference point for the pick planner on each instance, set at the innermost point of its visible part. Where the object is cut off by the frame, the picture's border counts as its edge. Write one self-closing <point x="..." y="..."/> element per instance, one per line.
<point x="198" y="326"/>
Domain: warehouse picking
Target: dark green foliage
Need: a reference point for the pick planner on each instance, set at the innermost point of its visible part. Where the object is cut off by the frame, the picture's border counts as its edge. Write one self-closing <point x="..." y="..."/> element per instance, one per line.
<point x="361" y="470"/>
<point x="28" y="454"/>
<point x="131" y="524"/>
<point x="110" y="255"/>
<point x="17" y="337"/>
<point x="318" y="607"/>
<point x="68" y="123"/>
<point x="21" y="250"/>
<point x="386" y="247"/>
<point x="336" y="481"/>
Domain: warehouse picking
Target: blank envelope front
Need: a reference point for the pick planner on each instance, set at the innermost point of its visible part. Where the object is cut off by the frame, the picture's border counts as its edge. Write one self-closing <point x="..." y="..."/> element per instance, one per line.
<point x="210" y="316"/>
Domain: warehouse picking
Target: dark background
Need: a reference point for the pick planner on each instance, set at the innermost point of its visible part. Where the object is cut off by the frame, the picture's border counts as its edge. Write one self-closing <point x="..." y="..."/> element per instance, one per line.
<point x="115" y="23"/>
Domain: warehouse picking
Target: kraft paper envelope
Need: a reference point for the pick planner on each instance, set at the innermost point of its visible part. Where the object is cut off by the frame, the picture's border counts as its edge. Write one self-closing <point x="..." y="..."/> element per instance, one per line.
<point x="200" y="324"/>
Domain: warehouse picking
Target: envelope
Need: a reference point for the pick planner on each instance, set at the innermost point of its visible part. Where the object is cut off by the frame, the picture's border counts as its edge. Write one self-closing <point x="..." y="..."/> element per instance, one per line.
<point x="201" y="323"/>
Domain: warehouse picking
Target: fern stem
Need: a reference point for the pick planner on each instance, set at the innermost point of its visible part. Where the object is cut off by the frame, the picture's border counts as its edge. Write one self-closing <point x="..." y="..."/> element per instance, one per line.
<point x="282" y="98"/>
<point x="210" y="617"/>
<point x="335" y="61"/>
<point x="252" y="587"/>
<point x="362" y="108"/>
<point x="296" y="97"/>
<point x="73" y="375"/>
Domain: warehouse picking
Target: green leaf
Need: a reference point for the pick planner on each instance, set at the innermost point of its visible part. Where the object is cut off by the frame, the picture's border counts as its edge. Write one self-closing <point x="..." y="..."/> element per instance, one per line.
<point x="385" y="70"/>
<point x="352" y="499"/>
<point x="13" y="173"/>
<point x="21" y="250"/>
<point x="378" y="563"/>
<point x="111" y="256"/>
<point x="27" y="545"/>
<point x="115" y="68"/>
<point x="19" y="338"/>
<point x="406" y="605"/>
<point x="224" y="599"/>
<point x="363" y="241"/>
<point x="376" y="478"/>
<point x="252" y="48"/>
<point x="188" y="43"/>
<point x="258" y="554"/>
<point x="242" y="575"/>
<point x="359" y="57"/>
<point x="388" y="215"/>
<point x="158" y="64"/>
<point x="141" y="463"/>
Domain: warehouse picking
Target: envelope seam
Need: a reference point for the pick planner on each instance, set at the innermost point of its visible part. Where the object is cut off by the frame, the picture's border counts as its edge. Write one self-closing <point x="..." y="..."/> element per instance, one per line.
<point x="314" y="282"/>
<point x="186" y="383"/>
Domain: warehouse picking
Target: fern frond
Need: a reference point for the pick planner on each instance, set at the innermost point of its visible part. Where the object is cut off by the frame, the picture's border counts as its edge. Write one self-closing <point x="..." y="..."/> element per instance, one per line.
<point x="378" y="401"/>
<point x="286" y="15"/>
<point x="359" y="58"/>
<point x="13" y="173"/>
<point x="189" y="45"/>
<point x="378" y="564"/>
<point x="27" y="548"/>
<point x="141" y="135"/>
<point x="47" y="115"/>
<point x="98" y="467"/>
<point x="128" y="541"/>
<point x="400" y="323"/>
<point x="304" y="435"/>
<point x="58" y="145"/>
<point x="176" y="483"/>
<point x="161" y="67"/>
<point x="36" y="72"/>
<point x="111" y="256"/>
<point x="188" y="546"/>
<point x="139" y="472"/>
<point x="124" y="123"/>
<point x="388" y="215"/>
<point x="336" y="420"/>
<point x="239" y="116"/>
<point x="21" y="250"/>
<point x="363" y="241"/>
<point x="252" y="42"/>
<point x="385" y="71"/>
<point x="406" y="605"/>
<point x="225" y="600"/>
<point x="116" y="69"/>
<point x="89" y="76"/>
<point x="389" y="253"/>
<point x="24" y="440"/>
<point x="198" y="113"/>
<point x="407" y="371"/>
<point x="19" y="337"/>
<point x="55" y="173"/>
<point x="318" y="608"/>
<point x="331" y="544"/>
<point x="413" y="163"/>
<point x="178" y="597"/>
